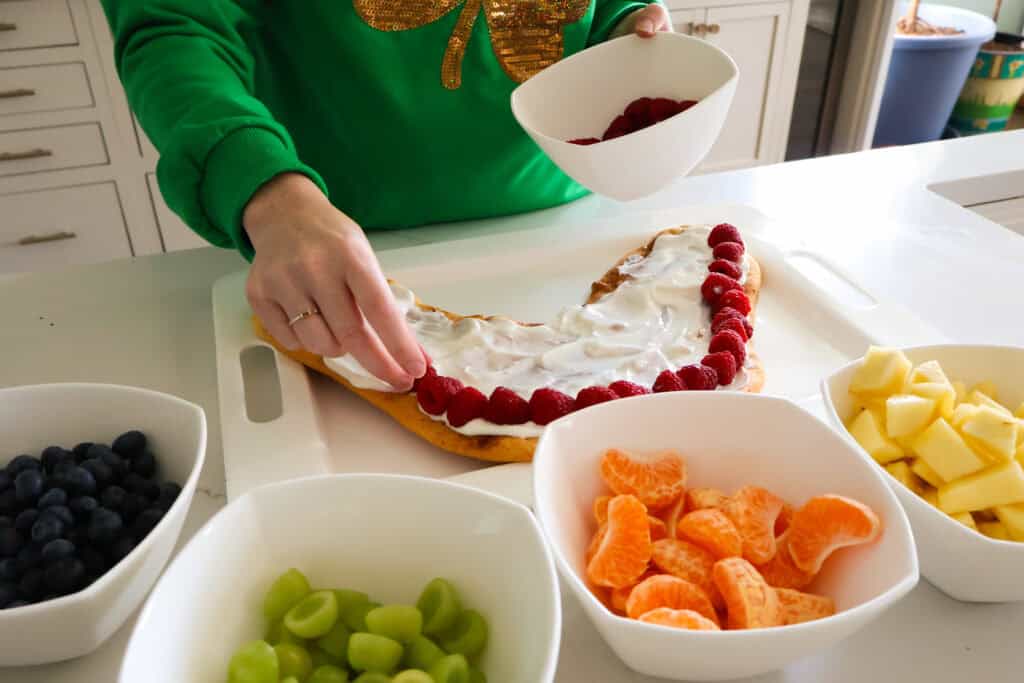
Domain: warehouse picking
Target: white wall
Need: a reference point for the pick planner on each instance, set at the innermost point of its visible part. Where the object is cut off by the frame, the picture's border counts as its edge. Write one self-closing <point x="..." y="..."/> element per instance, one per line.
<point x="1011" y="16"/>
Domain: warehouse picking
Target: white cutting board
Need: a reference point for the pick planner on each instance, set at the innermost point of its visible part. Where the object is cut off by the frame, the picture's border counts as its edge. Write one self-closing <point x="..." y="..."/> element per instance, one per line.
<point x="804" y="329"/>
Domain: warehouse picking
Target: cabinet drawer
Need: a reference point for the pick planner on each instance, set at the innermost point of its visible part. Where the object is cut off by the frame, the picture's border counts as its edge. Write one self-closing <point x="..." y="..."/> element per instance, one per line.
<point x="52" y="149"/>
<point x="175" y="234"/>
<point x="52" y="228"/>
<point x="48" y="87"/>
<point x="35" y="23"/>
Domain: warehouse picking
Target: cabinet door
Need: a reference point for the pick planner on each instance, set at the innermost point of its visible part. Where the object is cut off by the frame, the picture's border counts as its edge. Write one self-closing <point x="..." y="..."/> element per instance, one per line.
<point x="683" y="20"/>
<point x="176" y="235"/>
<point x="754" y="36"/>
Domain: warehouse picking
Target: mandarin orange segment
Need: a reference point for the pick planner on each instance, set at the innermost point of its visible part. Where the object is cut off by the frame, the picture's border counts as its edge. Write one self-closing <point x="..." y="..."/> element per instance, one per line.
<point x="668" y="591"/>
<point x="624" y="550"/>
<point x="601" y="509"/>
<point x="657" y="481"/>
<point x="658" y="528"/>
<point x="619" y="596"/>
<point x="595" y="543"/>
<point x="671" y="515"/>
<point x="754" y="510"/>
<point x="750" y="602"/>
<point x="784" y="519"/>
<point x="780" y="571"/>
<point x="686" y="561"/>
<point x="712" y="530"/>
<point x="698" y="499"/>
<point x="679" y="618"/>
<point x="797" y="607"/>
<point x="826" y="523"/>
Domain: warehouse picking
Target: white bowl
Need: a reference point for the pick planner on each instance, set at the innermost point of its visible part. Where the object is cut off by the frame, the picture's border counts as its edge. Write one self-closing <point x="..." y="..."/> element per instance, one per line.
<point x="385" y="535"/>
<point x="578" y="97"/>
<point x="960" y="562"/>
<point x="34" y="417"/>
<point x="728" y="440"/>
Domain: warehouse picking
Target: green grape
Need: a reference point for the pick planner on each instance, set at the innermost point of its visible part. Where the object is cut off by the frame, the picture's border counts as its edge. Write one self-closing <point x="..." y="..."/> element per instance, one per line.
<point x="371" y="677"/>
<point x="254" y="662"/>
<point x="348" y="597"/>
<point x="421" y="653"/>
<point x="370" y="652"/>
<point x="439" y="605"/>
<point x="476" y="675"/>
<point x="450" y="669"/>
<point x="335" y="641"/>
<point x="318" y="657"/>
<point x="413" y="676"/>
<point x="286" y="591"/>
<point x="354" y="615"/>
<point x="278" y="633"/>
<point x="290" y="679"/>
<point x="467" y="636"/>
<point x="398" y="622"/>
<point x="328" y="674"/>
<point x="294" y="660"/>
<point x="314" y="616"/>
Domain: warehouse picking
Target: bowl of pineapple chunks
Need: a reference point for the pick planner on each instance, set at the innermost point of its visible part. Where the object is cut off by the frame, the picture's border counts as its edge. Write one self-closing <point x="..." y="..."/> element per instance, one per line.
<point x="947" y="424"/>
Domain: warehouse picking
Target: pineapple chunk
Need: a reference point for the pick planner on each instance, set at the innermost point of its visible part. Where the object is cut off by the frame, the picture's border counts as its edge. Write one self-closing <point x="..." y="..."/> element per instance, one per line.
<point x="962" y="413"/>
<point x="1012" y="517"/>
<point x="943" y="394"/>
<point x="961" y="391"/>
<point x="989" y="389"/>
<point x="946" y="452"/>
<point x="993" y="430"/>
<point x="985" y="515"/>
<point x="1001" y="484"/>
<point x="869" y="431"/>
<point x="981" y="399"/>
<point x="929" y="371"/>
<point x="882" y="372"/>
<point x="901" y="472"/>
<point x="1020" y="411"/>
<point x="965" y="519"/>
<point x="906" y="414"/>
<point x="931" y="496"/>
<point x="994" y="530"/>
<point x="924" y="470"/>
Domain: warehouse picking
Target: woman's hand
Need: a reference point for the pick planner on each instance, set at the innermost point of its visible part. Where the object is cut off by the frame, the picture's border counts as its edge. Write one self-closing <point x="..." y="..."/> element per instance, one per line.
<point x="644" y="22"/>
<point x="309" y="257"/>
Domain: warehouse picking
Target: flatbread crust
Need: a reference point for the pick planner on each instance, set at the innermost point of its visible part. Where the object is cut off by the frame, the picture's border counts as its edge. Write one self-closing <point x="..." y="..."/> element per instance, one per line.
<point x="404" y="409"/>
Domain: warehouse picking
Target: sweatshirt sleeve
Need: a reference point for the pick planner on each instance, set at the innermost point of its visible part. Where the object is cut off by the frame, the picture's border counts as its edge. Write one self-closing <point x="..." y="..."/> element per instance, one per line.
<point x="608" y="14"/>
<point x="189" y="75"/>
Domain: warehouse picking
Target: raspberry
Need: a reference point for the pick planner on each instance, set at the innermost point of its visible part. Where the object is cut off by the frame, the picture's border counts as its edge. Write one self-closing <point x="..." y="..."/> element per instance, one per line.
<point x="735" y="299"/>
<point x="506" y="407"/>
<point x="466" y="405"/>
<point x="724" y="365"/>
<point x="585" y="141"/>
<point x="698" y="377"/>
<point x="622" y="389"/>
<point x="686" y="104"/>
<point x="593" y="395"/>
<point x="734" y="324"/>
<point x="724" y="232"/>
<point x="663" y="108"/>
<point x="715" y="285"/>
<point x="726" y="312"/>
<point x="668" y="381"/>
<point x="728" y="251"/>
<point x="727" y="268"/>
<point x="639" y="112"/>
<point x="727" y="340"/>
<point x="619" y="127"/>
<point x="431" y="372"/>
<point x="547" y="405"/>
<point x="434" y="393"/>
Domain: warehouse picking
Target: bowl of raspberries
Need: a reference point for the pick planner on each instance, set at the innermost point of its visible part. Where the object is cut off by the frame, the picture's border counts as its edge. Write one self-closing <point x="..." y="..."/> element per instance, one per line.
<point x="95" y="484"/>
<point x="628" y="117"/>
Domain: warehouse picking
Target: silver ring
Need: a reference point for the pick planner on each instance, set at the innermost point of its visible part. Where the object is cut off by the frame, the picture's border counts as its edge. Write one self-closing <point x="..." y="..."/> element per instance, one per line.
<point x="303" y="316"/>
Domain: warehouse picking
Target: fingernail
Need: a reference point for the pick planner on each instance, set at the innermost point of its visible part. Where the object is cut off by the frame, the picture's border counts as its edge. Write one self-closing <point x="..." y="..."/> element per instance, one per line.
<point x="645" y="26"/>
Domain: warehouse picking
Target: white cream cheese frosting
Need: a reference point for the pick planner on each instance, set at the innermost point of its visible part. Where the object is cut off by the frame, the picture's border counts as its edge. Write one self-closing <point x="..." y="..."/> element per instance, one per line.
<point x="653" y="321"/>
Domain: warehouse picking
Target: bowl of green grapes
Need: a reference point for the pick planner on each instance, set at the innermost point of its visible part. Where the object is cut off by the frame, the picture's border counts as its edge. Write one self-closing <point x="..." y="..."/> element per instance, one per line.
<point x="355" y="579"/>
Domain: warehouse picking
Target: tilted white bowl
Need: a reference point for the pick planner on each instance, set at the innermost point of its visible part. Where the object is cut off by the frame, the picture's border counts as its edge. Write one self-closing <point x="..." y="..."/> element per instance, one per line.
<point x="579" y="97"/>
<point x="34" y="417"/>
<point x="385" y="535"/>
<point x="960" y="562"/>
<point x="728" y="440"/>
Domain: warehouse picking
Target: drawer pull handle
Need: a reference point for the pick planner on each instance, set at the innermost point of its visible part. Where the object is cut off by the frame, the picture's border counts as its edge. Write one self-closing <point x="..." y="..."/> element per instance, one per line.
<point x="27" y="154"/>
<point x="17" y="92"/>
<point x="6" y="26"/>
<point x="714" y="28"/>
<point x="700" y="29"/>
<point x="41" y="239"/>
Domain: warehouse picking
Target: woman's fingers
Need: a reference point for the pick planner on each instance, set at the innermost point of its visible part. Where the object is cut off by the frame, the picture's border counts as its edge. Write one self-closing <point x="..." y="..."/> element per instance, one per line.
<point x="311" y="330"/>
<point x="650" y="20"/>
<point x="270" y="313"/>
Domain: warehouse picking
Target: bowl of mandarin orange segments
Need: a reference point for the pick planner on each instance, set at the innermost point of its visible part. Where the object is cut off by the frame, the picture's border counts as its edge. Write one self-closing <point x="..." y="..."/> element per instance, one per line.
<point x="720" y="535"/>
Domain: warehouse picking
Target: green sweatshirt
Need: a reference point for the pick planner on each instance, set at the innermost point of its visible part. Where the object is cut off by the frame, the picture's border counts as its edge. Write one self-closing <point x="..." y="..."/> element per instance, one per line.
<point x="398" y="109"/>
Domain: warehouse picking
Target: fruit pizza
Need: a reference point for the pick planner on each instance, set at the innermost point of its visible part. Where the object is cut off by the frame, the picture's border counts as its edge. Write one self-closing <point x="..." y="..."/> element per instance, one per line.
<point x="675" y="314"/>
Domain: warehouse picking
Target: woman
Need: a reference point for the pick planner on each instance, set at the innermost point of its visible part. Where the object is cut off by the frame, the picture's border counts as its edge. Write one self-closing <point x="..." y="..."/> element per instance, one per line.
<point x="398" y="110"/>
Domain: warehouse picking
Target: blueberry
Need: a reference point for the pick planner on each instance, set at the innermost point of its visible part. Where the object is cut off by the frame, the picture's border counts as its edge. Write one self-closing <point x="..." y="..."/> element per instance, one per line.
<point x="133" y="483"/>
<point x="28" y="485"/>
<point x="61" y="512"/>
<point x="129" y="444"/>
<point x="5" y="480"/>
<point x="31" y="585"/>
<point x="169" y="491"/>
<point x="144" y="464"/>
<point x="8" y="594"/>
<point x="9" y="570"/>
<point x="100" y="471"/>
<point x="80" y="481"/>
<point x="112" y="497"/>
<point x="133" y="504"/>
<point x="22" y="463"/>
<point x="29" y="557"/>
<point x="145" y="522"/>
<point x="78" y="534"/>
<point x="47" y="528"/>
<point x="10" y="541"/>
<point x="60" y="473"/>
<point x="8" y="502"/>
<point x="94" y="561"/>
<point x="83" y="506"/>
<point x="5" y="521"/>
<point x="18" y="603"/>
<point x="57" y="549"/>
<point x="118" y="465"/>
<point x="54" y="455"/>
<point x="121" y="548"/>
<point x="52" y="497"/>
<point x="81" y="450"/>
<point x="25" y="519"/>
<point x="104" y="526"/>
<point x="65" y="575"/>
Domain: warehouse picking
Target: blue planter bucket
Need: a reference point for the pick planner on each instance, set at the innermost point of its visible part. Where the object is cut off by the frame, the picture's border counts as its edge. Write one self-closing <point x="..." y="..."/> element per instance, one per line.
<point x="926" y="74"/>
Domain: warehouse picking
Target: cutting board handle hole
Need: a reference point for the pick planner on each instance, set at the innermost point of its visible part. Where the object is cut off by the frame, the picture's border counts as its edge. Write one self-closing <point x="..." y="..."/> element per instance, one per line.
<point x="261" y="382"/>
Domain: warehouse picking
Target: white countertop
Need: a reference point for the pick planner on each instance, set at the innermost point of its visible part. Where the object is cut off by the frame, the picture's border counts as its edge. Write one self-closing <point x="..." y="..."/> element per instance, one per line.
<point x="147" y="322"/>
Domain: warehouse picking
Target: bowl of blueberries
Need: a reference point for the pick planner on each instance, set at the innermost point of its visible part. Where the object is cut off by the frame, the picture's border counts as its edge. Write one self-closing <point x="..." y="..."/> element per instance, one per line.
<point x="95" y="484"/>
